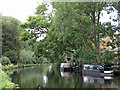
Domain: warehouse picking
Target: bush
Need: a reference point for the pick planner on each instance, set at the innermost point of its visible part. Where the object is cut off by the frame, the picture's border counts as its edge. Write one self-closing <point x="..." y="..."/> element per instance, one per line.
<point x="27" y="57"/>
<point x="5" y="61"/>
<point x="5" y="82"/>
<point x="40" y="60"/>
<point x="12" y="55"/>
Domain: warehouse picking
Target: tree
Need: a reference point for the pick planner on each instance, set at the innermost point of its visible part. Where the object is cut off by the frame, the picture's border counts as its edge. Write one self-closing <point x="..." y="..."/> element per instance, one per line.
<point x="72" y="28"/>
<point x="0" y="36"/>
<point x="83" y="18"/>
<point x="36" y="27"/>
<point x="10" y="34"/>
<point x="108" y="57"/>
<point x="27" y="57"/>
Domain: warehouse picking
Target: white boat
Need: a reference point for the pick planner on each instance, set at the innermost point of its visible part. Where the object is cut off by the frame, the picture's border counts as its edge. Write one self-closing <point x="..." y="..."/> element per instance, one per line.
<point x="66" y="67"/>
<point x="98" y="70"/>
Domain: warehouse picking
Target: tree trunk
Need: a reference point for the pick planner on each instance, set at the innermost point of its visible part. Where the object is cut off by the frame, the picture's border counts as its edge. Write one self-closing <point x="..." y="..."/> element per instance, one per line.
<point x="97" y="46"/>
<point x="99" y="57"/>
<point x="86" y="43"/>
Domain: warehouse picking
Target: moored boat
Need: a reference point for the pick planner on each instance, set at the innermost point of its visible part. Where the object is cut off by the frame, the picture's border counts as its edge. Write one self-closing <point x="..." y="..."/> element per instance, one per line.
<point x="66" y="67"/>
<point x="98" y="70"/>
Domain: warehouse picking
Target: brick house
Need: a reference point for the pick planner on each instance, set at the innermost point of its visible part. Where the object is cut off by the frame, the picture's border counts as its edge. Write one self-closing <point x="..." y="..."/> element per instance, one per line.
<point x="104" y="47"/>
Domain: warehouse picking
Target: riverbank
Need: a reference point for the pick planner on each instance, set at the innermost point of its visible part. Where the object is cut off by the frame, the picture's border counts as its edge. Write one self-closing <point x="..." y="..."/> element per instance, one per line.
<point x="5" y="81"/>
<point x="11" y="67"/>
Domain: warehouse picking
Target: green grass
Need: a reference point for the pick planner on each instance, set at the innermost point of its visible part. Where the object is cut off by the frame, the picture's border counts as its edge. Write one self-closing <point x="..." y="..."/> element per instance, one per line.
<point x="5" y="81"/>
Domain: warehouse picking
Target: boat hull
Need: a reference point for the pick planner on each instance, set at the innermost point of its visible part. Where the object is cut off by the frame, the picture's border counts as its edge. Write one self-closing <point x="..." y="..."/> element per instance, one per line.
<point x="66" y="67"/>
<point x="96" y="73"/>
<point x="97" y="70"/>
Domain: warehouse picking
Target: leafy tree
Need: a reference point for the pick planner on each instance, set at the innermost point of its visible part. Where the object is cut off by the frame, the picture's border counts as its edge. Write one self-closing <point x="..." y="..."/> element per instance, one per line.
<point x="83" y="19"/>
<point x="26" y="46"/>
<point x="10" y="34"/>
<point x="0" y="36"/>
<point x="72" y="28"/>
<point x="108" y="57"/>
<point x="27" y="57"/>
<point x="117" y="7"/>
<point x="36" y="27"/>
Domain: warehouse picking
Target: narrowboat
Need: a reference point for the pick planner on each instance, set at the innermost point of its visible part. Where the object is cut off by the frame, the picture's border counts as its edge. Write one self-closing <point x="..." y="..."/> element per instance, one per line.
<point x="98" y="70"/>
<point x="66" y="67"/>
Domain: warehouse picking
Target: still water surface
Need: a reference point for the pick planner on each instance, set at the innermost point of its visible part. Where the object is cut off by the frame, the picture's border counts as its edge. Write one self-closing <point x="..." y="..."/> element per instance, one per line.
<point x="47" y="76"/>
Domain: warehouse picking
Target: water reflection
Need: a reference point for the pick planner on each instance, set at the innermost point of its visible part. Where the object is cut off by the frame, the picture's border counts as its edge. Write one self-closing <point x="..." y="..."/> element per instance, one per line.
<point x="103" y="82"/>
<point x="45" y="80"/>
<point x="18" y="70"/>
<point x="50" y="68"/>
<point x="66" y="74"/>
<point x="88" y="79"/>
<point x="49" y="76"/>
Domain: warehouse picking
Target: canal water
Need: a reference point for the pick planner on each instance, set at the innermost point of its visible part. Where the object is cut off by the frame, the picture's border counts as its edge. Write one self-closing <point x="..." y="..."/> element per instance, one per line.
<point x="48" y="76"/>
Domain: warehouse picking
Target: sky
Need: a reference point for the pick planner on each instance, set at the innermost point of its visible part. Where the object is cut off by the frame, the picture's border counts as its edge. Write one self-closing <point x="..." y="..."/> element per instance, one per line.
<point x="21" y="9"/>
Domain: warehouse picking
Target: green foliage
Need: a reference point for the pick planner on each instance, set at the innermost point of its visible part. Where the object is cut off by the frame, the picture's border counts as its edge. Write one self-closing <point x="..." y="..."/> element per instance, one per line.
<point x="24" y="36"/>
<point x="10" y="34"/>
<point x="5" y="61"/>
<point x="25" y="45"/>
<point x="27" y="57"/>
<point x="40" y="60"/>
<point x="116" y="60"/>
<point x="79" y="27"/>
<point x="73" y="29"/>
<point x="5" y="82"/>
<point x="81" y="55"/>
<point x="41" y="9"/>
<point x="36" y="25"/>
<point x="12" y="55"/>
<point x="108" y="57"/>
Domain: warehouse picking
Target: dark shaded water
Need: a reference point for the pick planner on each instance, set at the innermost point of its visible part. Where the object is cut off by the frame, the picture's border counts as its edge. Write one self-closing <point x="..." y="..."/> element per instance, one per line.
<point x="46" y="77"/>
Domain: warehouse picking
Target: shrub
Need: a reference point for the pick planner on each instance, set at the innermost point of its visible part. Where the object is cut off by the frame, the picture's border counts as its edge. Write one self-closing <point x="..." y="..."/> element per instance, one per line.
<point x="40" y="60"/>
<point x="27" y="57"/>
<point x="5" y="82"/>
<point x="5" y="61"/>
<point x="12" y="55"/>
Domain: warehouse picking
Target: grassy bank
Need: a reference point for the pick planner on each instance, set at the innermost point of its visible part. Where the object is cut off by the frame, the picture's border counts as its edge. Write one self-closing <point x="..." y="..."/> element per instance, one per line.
<point x="10" y="67"/>
<point x="5" y="81"/>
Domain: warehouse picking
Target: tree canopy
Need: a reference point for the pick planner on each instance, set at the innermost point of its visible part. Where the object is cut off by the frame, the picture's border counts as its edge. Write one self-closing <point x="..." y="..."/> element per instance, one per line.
<point x="72" y="27"/>
<point x="10" y="38"/>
